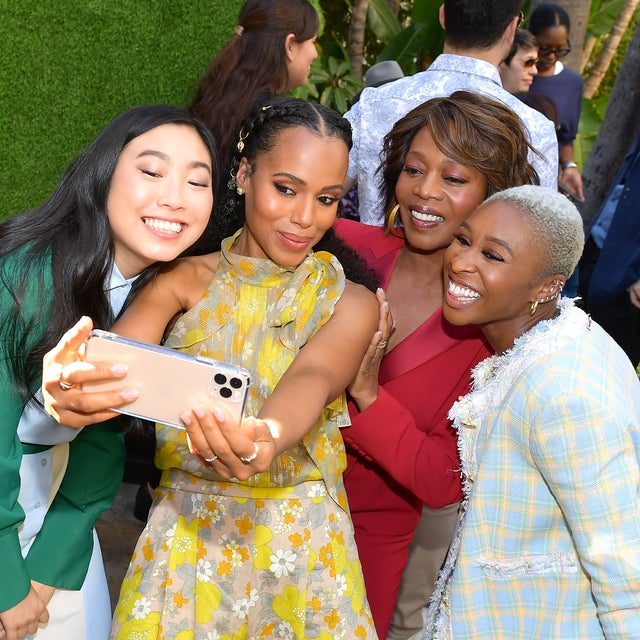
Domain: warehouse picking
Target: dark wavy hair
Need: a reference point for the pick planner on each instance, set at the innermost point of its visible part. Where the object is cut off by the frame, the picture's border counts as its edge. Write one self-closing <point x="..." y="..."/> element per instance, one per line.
<point x="70" y="235"/>
<point x="469" y="128"/>
<point x="478" y="24"/>
<point x="261" y="132"/>
<point x="252" y="63"/>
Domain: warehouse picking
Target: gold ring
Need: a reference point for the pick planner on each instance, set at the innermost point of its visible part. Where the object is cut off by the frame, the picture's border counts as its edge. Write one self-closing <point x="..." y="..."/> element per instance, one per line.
<point x="253" y="456"/>
<point x="381" y="345"/>
<point x="65" y="386"/>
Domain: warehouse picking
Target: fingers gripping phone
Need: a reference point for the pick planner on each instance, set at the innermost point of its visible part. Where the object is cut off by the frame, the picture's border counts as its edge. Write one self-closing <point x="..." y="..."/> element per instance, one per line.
<point x="169" y="382"/>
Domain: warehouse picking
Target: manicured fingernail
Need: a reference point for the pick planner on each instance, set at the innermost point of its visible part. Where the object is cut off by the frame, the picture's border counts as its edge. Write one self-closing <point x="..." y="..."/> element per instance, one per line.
<point x="219" y="415"/>
<point x="199" y="411"/>
<point x="185" y="419"/>
<point x="130" y="394"/>
<point x="119" y="369"/>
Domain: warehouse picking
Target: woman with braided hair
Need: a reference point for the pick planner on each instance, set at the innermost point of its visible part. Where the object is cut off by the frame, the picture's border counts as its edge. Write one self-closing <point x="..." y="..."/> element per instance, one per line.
<point x="250" y="534"/>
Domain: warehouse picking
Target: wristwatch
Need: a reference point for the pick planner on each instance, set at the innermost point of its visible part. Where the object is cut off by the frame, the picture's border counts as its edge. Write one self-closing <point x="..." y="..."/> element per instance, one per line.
<point x="568" y="164"/>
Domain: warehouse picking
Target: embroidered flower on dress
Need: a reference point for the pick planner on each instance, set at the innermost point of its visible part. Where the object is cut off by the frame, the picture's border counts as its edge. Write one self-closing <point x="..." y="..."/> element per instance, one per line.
<point x="204" y="570"/>
<point x="141" y="608"/>
<point x="341" y="584"/>
<point x="282" y="562"/>
<point x="285" y="631"/>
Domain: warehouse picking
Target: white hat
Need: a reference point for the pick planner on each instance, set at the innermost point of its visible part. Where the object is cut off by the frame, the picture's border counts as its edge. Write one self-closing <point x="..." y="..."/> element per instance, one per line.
<point x="383" y="72"/>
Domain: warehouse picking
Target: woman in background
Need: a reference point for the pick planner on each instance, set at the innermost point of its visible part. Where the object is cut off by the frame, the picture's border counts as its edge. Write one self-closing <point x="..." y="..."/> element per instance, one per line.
<point x="270" y="53"/>
<point x="550" y="25"/>
<point x="519" y="68"/>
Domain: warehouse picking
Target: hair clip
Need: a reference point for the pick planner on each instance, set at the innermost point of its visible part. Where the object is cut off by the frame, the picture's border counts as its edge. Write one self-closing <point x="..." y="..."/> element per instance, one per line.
<point x="238" y="29"/>
<point x="232" y="182"/>
<point x="243" y="137"/>
<point x="266" y="107"/>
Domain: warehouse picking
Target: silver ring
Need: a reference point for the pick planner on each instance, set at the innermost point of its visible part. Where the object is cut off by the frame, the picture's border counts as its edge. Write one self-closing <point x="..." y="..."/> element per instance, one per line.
<point x="65" y="386"/>
<point x="211" y="459"/>
<point x="253" y="456"/>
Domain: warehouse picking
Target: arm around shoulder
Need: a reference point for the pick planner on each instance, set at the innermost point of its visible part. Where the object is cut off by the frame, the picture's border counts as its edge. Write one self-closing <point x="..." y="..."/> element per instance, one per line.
<point x="176" y="289"/>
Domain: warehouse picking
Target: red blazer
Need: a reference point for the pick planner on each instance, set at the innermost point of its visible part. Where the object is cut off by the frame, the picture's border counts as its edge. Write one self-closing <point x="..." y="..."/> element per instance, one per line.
<point x="402" y="451"/>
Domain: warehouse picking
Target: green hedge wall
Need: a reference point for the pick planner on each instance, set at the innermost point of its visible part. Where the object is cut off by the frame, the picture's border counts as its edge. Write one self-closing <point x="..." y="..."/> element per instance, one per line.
<point x="70" y="66"/>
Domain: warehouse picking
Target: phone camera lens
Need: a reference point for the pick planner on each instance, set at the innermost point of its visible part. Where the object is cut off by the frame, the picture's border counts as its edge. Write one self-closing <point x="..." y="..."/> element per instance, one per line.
<point x="225" y="392"/>
<point x="220" y="378"/>
<point x="236" y="383"/>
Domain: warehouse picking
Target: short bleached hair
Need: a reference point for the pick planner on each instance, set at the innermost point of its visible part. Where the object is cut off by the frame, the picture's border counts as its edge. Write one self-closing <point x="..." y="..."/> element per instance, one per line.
<point x="554" y="223"/>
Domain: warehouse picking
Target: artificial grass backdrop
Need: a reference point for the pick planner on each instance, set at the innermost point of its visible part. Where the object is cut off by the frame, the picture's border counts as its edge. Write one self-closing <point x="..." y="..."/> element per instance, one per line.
<point x="70" y="66"/>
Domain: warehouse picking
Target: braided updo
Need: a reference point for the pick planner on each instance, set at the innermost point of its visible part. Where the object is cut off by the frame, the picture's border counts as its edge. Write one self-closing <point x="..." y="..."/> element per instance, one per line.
<point x="258" y="134"/>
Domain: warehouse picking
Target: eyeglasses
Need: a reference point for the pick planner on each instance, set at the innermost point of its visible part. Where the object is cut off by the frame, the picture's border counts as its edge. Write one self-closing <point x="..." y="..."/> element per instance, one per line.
<point x="530" y="62"/>
<point x="562" y="52"/>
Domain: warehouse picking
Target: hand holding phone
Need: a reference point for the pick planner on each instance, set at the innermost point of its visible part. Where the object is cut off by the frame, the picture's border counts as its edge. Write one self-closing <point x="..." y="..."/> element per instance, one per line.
<point x="169" y="382"/>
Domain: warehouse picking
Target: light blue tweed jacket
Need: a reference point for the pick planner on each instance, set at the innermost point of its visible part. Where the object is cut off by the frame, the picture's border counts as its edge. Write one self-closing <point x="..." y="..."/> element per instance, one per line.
<point x="549" y="541"/>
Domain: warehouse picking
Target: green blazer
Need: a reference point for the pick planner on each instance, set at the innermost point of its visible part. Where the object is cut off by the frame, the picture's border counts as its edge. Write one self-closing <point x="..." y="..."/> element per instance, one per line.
<point x="62" y="549"/>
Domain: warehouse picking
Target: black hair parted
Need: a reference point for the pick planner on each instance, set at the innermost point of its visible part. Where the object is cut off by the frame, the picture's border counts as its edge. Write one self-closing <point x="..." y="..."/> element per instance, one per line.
<point x="259" y="133"/>
<point x="69" y="236"/>
<point x="548" y="15"/>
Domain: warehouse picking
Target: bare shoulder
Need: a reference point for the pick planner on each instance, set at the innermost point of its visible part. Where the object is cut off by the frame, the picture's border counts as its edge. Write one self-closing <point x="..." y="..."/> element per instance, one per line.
<point x="358" y="303"/>
<point x="188" y="278"/>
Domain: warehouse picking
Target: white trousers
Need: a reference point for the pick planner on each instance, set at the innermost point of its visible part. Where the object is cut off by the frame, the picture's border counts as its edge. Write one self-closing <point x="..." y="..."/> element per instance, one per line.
<point x="84" y="614"/>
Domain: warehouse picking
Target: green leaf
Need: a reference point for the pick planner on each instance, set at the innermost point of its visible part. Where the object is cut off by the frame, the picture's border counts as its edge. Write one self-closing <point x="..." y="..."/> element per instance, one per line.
<point x="426" y="11"/>
<point x="405" y="46"/>
<point x="382" y="21"/>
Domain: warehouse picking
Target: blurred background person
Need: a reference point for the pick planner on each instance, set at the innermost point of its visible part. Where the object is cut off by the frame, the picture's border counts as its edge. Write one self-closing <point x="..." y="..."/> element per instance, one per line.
<point x="518" y="69"/>
<point x="550" y="25"/>
<point x="269" y="54"/>
<point x="610" y="264"/>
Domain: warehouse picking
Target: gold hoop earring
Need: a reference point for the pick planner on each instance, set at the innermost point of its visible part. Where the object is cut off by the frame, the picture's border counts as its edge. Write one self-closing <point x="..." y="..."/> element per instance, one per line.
<point x="533" y="308"/>
<point x="391" y="223"/>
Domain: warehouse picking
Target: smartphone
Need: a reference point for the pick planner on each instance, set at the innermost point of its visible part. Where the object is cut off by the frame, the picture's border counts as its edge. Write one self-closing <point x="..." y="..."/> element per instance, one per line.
<point x="169" y="381"/>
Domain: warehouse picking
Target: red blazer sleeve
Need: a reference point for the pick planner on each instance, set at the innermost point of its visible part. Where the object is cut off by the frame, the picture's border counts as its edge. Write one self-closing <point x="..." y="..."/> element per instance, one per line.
<point x="406" y="430"/>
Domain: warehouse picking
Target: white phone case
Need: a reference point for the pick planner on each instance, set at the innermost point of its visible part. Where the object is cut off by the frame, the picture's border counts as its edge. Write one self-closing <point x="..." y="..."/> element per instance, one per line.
<point x="169" y="381"/>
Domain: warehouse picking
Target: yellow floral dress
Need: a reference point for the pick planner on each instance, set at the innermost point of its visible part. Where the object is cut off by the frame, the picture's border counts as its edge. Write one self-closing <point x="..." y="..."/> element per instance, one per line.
<point x="274" y="556"/>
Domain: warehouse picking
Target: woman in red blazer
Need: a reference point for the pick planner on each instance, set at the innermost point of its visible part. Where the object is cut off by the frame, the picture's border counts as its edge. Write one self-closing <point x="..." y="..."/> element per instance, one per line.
<point x="440" y="162"/>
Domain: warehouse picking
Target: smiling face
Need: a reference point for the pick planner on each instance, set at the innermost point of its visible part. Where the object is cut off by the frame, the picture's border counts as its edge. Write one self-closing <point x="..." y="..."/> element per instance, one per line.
<point x="435" y="194"/>
<point x="160" y="197"/>
<point x="291" y="195"/>
<point x="491" y="274"/>
<point x="518" y="74"/>
<point x="300" y="55"/>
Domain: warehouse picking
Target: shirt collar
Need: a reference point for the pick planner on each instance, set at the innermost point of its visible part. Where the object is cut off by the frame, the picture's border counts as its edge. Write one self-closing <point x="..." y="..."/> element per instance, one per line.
<point x="118" y="289"/>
